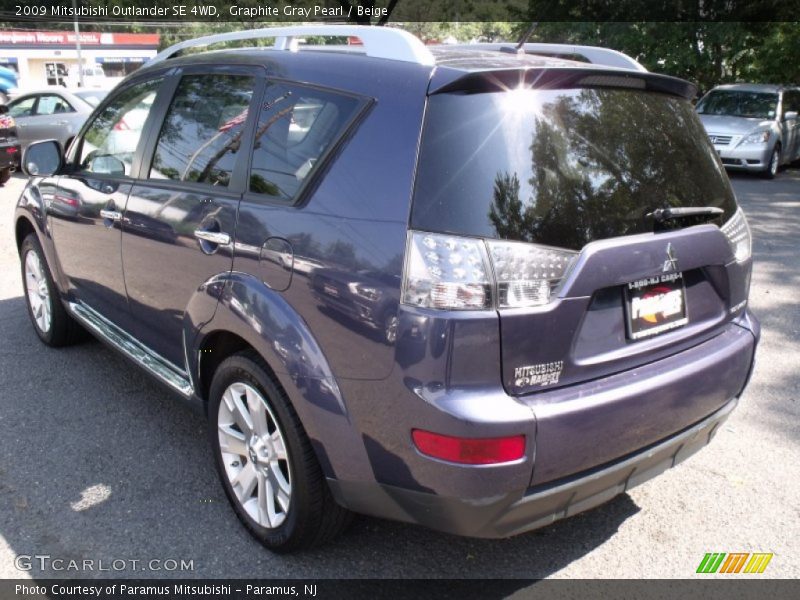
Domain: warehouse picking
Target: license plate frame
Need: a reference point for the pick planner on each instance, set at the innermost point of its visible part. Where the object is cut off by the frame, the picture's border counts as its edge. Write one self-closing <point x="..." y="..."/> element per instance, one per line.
<point x="655" y="305"/>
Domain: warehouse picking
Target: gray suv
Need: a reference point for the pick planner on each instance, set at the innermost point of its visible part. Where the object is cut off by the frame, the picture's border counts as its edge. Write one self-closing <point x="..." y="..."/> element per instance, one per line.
<point x="471" y="288"/>
<point x="753" y="127"/>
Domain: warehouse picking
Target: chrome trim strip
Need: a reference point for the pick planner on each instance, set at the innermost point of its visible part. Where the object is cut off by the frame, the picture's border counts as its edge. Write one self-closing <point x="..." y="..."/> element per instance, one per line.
<point x="159" y="367"/>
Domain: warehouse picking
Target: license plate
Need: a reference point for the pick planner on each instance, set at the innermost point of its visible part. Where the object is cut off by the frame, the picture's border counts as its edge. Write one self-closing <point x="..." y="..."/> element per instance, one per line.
<point x="655" y="305"/>
<point x="330" y="290"/>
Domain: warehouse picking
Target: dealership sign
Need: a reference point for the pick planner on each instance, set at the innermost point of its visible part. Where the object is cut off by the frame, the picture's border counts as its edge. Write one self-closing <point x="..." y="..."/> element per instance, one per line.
<point x="64" y="38"/>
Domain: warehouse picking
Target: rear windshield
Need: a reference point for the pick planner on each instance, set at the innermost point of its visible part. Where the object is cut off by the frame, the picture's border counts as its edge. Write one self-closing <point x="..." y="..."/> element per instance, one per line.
<point x="562" y="167"/>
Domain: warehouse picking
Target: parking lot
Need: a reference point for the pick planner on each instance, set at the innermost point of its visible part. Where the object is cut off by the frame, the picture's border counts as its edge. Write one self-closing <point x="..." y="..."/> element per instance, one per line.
<point x="97" y="462"/>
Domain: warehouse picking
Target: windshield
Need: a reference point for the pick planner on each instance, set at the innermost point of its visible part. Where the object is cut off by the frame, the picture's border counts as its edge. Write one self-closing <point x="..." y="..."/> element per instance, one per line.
<point x="92" y="98"/>
<point x="758" y="105"/>
<point x="562" y="167"/>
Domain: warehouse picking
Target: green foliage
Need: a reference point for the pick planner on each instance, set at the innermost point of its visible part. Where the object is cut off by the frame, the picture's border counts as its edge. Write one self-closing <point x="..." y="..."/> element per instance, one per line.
<point x="706" y="53"/>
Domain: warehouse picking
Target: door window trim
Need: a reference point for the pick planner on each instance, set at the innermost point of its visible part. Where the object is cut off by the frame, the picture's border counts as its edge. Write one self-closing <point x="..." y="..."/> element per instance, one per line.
<point x="237" y="185"/>
<point x="70" y="160"/>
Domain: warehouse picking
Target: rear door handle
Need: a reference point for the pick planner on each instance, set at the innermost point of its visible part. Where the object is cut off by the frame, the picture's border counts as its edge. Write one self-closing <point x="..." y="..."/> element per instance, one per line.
<point x="214" y="237"/>
<point x="112" y="215"/>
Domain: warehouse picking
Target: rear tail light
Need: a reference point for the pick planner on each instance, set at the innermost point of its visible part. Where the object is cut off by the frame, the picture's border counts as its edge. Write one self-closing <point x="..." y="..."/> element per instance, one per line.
<point x="121" y="125"/>
<point x="459" y="273"/>
<point x="469" y="451"/>
<point x="527" y="274"/>
<point x="445" y="271"/>
<point x="737" y="231"/>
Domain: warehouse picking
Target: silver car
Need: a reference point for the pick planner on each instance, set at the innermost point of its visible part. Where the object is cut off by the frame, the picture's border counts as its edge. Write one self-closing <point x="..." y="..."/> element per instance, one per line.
<point x="753" y="127"/>
<point x="53" y="114"/>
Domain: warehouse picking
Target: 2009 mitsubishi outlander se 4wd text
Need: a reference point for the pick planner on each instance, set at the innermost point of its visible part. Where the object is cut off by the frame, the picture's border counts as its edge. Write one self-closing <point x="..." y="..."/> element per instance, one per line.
<point x="474" y="288"/>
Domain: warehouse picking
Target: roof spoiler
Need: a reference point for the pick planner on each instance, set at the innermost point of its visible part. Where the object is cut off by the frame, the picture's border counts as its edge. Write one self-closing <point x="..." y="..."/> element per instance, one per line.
<point x="451" y="80"/>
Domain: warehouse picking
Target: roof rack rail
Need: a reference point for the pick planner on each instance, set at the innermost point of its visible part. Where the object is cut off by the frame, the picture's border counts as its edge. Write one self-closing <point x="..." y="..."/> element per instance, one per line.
<point x="594" y="54"/>
<point x="379" y="42"/>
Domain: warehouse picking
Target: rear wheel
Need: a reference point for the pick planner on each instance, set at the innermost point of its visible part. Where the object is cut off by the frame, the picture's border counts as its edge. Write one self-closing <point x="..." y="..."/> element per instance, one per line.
<point x="265" y="460"/>
<point x="774" y="163"/>
<point x="5" y="175"/>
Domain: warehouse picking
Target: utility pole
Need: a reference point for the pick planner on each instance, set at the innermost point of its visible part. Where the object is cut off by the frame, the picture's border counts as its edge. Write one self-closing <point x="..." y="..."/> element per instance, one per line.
<point x="77" y="42"/>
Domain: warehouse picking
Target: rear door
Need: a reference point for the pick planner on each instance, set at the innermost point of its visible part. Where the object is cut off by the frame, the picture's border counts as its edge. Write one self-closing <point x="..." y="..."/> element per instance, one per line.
<point x="178" y="226"/>
<point x="86" y="209"/>
<point x="791" y="103"/>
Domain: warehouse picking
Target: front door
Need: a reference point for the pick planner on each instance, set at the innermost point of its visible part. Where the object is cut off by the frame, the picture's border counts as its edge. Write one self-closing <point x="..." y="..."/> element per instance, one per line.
<point x="178" y="225"/>
<point x="85" y="211"/>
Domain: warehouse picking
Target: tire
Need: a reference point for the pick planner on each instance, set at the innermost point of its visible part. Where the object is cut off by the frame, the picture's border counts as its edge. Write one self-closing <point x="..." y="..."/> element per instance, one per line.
<point x="774" y="163"/>
<point x="5" y="175"/>
<point x="51" y="321"/>
<point x="306" y="515"/>
<point x="390" y="322"/>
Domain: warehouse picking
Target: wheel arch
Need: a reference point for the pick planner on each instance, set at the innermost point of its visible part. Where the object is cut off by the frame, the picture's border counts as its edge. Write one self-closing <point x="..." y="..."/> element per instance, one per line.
<point x="250" y="316"/>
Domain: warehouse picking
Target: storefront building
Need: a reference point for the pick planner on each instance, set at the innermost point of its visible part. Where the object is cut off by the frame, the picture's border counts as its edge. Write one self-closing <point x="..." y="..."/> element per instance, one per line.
<point x="43" y="58"/>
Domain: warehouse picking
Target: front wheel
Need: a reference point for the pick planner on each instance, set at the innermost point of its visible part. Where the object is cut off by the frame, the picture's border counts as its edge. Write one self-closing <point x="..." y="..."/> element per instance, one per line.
<point x="774" y="163"/>
<point x="265" y="460"/>
<point x="52" y="323"/>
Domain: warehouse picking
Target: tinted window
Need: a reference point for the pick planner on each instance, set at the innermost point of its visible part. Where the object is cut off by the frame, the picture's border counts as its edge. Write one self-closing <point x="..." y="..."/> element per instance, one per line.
<point x="115" y="132"/>
<point x="203" y="128"/>
<point x="296" y="126"/>
<point x="731" y="103"/>
<point x="791" y="101"/>
<point x="22" y="107"/>
<point x="49" y="105"/>
<point x="561" y="167"/>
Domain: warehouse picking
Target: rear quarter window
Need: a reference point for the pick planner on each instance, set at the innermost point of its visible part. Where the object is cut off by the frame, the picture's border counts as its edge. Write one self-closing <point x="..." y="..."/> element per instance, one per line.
<point x="297" y="126"/>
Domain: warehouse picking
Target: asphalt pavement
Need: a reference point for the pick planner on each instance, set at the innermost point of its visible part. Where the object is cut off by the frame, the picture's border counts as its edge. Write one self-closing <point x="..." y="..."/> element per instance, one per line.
<point x="98" y="463"/>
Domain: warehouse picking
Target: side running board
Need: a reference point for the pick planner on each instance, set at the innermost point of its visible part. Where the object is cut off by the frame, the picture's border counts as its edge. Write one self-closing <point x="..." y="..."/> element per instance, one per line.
<point x="159" y="367"/>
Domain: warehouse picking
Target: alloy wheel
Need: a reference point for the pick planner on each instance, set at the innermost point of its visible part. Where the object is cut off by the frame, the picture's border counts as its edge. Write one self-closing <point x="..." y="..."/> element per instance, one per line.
<point x="38" y="292"/>
<point x="255" y="455"/>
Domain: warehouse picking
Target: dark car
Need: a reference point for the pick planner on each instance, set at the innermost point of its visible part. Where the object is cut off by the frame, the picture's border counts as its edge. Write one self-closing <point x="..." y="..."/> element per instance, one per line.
<point x="563" y="252"/>
<point x="9" y="145"/>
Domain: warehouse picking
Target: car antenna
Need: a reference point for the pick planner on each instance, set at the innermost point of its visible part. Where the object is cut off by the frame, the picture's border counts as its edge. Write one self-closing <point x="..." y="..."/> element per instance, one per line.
<point x="525" y="37"/>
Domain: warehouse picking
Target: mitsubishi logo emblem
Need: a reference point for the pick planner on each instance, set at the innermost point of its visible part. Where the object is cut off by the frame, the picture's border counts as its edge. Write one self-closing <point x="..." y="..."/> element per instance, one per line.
<point x="671" y="264"/>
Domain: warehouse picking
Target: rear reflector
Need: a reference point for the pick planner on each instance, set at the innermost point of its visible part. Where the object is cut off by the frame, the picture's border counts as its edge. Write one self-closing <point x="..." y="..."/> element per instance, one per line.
<point x="469" y="451"/>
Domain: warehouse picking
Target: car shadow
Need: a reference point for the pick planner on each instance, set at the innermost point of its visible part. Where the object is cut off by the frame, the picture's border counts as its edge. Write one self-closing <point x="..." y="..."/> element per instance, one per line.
<point x="101" y="463"/>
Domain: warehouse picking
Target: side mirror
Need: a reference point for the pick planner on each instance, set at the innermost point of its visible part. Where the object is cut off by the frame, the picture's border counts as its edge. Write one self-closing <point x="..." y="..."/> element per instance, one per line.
<point x="42" y="159"/>
<point x="107" y="165"/>
<point x="790" y="115"/>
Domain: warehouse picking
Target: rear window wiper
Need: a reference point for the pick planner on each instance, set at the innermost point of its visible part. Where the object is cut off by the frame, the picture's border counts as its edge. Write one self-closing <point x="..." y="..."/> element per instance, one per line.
<point x="678" y="212"/>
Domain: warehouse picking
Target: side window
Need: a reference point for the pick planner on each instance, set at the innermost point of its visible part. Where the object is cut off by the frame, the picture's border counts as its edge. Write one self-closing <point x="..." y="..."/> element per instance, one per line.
<point x="49" y="105"/>
<point x="110" y="142"/>
<point x="22" y="108"/>
<point x="791" y="101"/>
<point x="296" y="125"/>
<point x="203" y="128"/>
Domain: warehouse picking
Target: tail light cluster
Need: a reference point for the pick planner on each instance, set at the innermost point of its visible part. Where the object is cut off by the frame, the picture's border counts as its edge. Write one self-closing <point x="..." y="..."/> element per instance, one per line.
<point x="460" y="273"/>
<point x="737" y="231"/>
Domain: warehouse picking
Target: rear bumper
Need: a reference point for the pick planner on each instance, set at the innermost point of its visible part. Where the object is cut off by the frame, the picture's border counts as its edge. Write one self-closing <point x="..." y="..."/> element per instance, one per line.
<point x="9" y="156"/>
<point x="509" y="514"/>
<point x="591" y="442"/>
